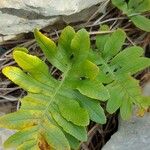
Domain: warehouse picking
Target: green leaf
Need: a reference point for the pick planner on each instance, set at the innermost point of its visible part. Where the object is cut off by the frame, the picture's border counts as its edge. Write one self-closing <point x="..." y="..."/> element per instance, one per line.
<point x="121" y="4"/>
<point x="141" y="22"/>
<point x="50" y="50"/>
<point x="80" y="46"/>
<point x="86" y="70"/>
<point x="93" y="107"/>
<point x="145" y="102"/>
<point x="128" y="91"/>
<point x="18" y="138"/>
<point x="94" y="56"/>
<point x="71" y="110"/>
<point x="114" y="44"/>
<point x="57" y="142"/>
<point x="116" y="70"/>
<point x="127" y="55"/>
<point x="132" y="55"/>
<point x="74" y="143"/>
<point x="36" y="100"/>
<point x="19" y="120"/>
<point x="36" y="67"/>
<point x="22" y="49"/>
<point x="65" y="39"/>
<point x="101" y="39"/>
<point x="74" y="130"/>
<point x="124" y="92"/>
<point x="144" y="6"/>
<point x="139" y="5"/>
<point x="89" y="70"/>
<point x="31" y="144"/>
<point x="133" y="9"/>
<point x="115" y="100"/>
<point x="140" y="65"/>
<point x="93" y="90"/>
<point x="25" y="81"/>
<point x="126" y="109"/>
<point x="133" y="4"/>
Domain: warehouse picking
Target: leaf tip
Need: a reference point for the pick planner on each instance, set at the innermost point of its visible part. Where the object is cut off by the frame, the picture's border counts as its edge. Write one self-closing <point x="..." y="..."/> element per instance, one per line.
<point x="22" y="49"/>
<point x="121" y="31"/>
<point x="69" y="28"/>
<point x="6" y="70"/>
<point x="36" y="32"/>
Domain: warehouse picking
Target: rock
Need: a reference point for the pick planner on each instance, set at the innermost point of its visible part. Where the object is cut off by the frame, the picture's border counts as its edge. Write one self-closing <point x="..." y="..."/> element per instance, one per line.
<point x="4" y="134"/>
<point x="146" y="89"/>
<point x="133" y="134"/>
<point x="6" y="38"/>
<point x="80" y="16"/>
<point x="16" y="24"/>
<point x="47" y="7"/>
<point x="22" y="16"/>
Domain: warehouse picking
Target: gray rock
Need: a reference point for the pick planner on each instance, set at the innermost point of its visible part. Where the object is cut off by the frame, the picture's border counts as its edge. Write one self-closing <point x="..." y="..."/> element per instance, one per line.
<point x="22" y="16"/>
<point x="4" y="134"/>
<point x="47" y="7"/>
<point x="146" y="89"/>
<point x="133" y="134"/>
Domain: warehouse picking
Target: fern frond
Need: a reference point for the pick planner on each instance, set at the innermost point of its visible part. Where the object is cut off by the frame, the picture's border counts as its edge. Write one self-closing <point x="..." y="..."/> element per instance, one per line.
<point x="55" y="113"/>
<point x="116" y="67"/>
<point x="134" y="9"/>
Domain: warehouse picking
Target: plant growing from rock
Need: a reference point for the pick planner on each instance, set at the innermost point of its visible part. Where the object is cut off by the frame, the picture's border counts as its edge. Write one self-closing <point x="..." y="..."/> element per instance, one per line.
<point x="55" y="113"/>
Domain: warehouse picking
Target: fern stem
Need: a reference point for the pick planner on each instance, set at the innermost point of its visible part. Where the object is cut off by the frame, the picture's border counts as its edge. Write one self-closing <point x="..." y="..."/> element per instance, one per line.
<point x="58" y="88"/>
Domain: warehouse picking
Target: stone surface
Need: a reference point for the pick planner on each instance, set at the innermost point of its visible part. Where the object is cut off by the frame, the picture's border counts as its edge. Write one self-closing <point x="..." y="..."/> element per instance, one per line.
<point x="47" y="7"/>
<point x="146" y="89"/>
<point x="133" y="134"/>
<point x="4" y="134"/>
<point x="22" y="16"/>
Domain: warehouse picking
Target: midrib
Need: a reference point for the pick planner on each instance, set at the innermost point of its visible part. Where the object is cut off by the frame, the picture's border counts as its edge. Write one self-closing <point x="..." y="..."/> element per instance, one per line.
<point x="115" y="78"/>
<point x="57" y="89"/>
